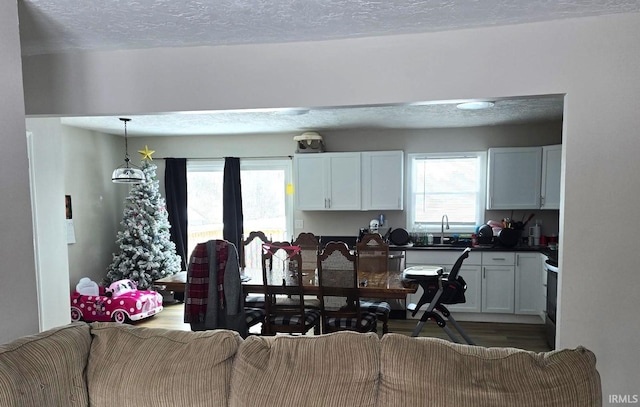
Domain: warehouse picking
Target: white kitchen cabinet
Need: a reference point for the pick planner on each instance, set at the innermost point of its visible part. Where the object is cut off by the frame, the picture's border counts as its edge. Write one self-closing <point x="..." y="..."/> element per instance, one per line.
<point x="497" y="289"/>
<point x="528" y="290"/>
<point x="328" y="181"/>
<point x="382" y="180"/>
<point x="472" y="275"/>
<point x="513" y="178"/>
<point x="498" y="282"/>
<point x="550" y="183"/>
<point x="349" y="181"/>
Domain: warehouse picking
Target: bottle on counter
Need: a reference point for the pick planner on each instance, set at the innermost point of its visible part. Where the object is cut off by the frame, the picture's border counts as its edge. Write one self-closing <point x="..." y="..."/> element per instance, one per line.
<point x="429" y="239"/>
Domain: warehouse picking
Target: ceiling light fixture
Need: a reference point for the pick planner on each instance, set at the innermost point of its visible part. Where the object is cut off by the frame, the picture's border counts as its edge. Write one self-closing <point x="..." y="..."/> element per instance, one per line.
<point x="475" y="105"/>
<point x="127" y="173"/>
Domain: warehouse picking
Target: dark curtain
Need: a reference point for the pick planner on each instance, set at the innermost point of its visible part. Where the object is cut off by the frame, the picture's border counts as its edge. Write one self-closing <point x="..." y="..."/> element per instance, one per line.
<point x="175" y="184"/>
<point x="232" y="203"/>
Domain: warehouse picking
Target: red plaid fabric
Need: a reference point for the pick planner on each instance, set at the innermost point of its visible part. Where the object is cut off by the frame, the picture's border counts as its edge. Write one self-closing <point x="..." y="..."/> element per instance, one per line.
<point x="195" y="301"/>
<point x="196" y="297"/>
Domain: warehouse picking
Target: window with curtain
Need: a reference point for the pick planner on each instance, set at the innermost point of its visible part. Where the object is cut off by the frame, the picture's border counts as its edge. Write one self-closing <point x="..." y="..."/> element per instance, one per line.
<point x="451" y="184"/>
<point x="266" y="206"/>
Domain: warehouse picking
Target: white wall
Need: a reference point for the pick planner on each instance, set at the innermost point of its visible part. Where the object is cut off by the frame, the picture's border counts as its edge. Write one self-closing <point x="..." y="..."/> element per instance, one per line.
<point x="47" y="195"/>
<point x="18" y="294"/>
<point x="89" y="159"/>
<point x="593" y="60"/>
<point x="410" y="141"/>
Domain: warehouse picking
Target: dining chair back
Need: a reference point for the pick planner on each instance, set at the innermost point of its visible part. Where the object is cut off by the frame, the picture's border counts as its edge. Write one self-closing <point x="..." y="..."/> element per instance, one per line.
<point x="213" y="290"/>
<point x="372" y="253"/>
<point x="251" y="250"/>
<point x="373" y="257"/>
<point x="339" y="296"/>
<point x="309" y="246"/>
<point x="282" y="280"/>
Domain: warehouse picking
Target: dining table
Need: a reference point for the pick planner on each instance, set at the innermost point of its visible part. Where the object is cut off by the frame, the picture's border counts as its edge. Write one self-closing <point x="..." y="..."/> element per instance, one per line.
<point x="384" y="285"/>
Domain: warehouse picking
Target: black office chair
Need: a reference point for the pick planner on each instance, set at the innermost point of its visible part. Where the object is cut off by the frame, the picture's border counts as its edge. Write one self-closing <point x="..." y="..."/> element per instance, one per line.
<point x="439" y="289"/>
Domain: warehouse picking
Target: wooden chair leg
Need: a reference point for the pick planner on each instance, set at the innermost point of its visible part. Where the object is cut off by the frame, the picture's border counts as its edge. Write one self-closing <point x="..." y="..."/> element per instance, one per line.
<point x="385" y="322"/>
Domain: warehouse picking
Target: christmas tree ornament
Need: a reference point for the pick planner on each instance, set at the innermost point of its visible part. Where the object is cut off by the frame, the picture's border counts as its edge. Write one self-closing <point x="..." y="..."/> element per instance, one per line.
<point x="146" y="153"/>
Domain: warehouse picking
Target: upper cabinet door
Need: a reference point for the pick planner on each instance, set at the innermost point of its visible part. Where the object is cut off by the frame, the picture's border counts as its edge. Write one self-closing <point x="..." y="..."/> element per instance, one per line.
<point x="343" y="192"/>
<point x="382" y="180"/>
<point x="551" y="162"/>
<point x="310" y="180"/>
<point x="327" y="181"/>
<point x="513" y="180"/>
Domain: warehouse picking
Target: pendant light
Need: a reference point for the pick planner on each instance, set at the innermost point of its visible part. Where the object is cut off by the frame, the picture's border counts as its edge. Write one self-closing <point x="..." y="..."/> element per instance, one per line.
<point x="127" y="173"/>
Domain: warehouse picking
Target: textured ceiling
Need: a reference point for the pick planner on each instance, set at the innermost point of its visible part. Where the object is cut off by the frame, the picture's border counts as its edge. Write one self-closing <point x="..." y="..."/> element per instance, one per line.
<point x="53" y="26"/>
<point x="432" y="115"/>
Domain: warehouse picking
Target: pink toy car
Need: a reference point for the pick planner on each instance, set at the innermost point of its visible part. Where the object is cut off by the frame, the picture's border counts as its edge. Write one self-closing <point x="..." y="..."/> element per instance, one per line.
<point x="119" y="302"/>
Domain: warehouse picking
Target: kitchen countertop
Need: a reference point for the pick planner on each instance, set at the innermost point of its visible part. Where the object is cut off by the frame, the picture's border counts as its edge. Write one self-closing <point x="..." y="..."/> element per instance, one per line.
<point x="552" y="254"/>
<point x="351" y="241"/>
<point x="523" y="248"/>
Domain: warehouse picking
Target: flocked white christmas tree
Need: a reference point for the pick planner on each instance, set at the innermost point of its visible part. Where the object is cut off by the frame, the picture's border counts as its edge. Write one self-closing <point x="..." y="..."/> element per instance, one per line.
<point x="146" y="250"/>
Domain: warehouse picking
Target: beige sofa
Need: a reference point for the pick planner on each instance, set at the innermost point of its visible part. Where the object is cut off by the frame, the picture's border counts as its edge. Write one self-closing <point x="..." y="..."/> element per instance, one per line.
<point x="106" y="364"/>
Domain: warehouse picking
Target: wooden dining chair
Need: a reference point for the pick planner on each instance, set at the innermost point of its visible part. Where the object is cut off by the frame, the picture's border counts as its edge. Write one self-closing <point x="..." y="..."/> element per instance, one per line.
<point x="251" y="251"/>
<point x="339" y="292"/>
<point x="282" y="281"/>
<point x="216" y="289"/>
<point x="251" y="257"/>
<point x="309" y="246"/>
<point x="373" y="257"/>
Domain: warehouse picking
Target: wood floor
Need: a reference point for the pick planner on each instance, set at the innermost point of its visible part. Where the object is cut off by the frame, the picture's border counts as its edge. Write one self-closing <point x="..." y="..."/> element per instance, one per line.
<point x="523" y="336"/>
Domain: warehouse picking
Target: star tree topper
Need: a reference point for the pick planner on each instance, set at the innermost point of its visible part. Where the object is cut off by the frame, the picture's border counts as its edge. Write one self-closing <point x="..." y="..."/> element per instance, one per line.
<point x="146" y="153"/>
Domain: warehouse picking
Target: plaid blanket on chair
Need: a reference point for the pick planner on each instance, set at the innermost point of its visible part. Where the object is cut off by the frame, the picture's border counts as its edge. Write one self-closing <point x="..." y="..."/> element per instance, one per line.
<point x="196" y="297"/>
<point x="195" y="301"/>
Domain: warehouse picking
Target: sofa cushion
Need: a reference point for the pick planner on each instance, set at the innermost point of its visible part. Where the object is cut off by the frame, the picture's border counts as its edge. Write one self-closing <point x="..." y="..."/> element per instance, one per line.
<point x="339" y="369"/>
<point x="136" y="366"/>
<point x="46" y="369"/>
<point x="435" y="372"/>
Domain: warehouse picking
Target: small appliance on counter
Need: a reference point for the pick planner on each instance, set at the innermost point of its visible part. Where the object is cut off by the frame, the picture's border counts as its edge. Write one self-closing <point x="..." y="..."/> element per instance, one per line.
<point x="399" y="237"/>
<point x="485" y="235"/>
<point x="534" y="234"/>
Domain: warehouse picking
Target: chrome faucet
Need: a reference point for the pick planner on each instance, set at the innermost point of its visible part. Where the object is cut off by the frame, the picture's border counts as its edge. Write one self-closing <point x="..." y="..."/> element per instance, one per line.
<point x="442" y="227"/>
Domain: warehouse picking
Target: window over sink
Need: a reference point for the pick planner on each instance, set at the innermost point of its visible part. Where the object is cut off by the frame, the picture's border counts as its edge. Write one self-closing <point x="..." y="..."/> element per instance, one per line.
<point x="265" y="203"/>
<point x="451" y="184"/>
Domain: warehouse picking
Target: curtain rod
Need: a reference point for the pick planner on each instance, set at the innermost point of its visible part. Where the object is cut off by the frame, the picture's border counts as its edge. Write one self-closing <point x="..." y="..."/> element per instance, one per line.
<point x="222" y="158"/>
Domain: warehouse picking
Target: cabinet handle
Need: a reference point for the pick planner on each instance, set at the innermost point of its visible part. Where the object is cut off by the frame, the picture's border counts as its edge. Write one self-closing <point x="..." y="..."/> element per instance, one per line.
<point x="484" y="272"/>
<point x="498" y="258"/>
<point x="329" y="202"/>
<point x="517" y="260"/>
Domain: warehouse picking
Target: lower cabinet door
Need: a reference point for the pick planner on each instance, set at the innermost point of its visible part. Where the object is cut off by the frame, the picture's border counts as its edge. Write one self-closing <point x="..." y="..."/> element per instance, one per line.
<point x="498" y="285"/>
<point x="472" y="276"/>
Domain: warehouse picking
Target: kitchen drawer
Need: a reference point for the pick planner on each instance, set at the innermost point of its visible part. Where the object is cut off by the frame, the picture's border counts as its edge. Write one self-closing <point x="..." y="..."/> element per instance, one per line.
<point x="498" y="258"/>
<point x="439" y="257"/>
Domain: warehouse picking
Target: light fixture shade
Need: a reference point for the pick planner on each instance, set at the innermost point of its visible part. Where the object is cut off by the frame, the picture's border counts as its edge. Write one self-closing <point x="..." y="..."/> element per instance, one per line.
<point x="475" y="105"/>
<point x="127" y="175"/>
